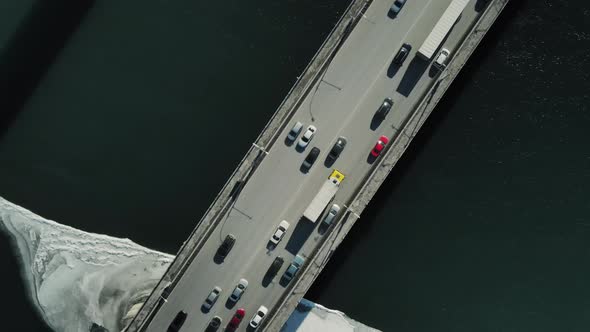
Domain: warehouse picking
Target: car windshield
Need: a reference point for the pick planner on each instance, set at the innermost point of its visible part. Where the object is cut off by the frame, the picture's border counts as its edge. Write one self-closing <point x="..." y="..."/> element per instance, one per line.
<point x="399" y="2"/>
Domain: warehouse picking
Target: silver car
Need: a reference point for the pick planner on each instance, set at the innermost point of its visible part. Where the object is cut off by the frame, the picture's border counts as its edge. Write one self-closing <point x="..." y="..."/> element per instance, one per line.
<point x="212" y="298"/>
<point x="332" y="214"/>
<point x="295" y="131"/>
<point x="397" y="6"/>
<point x="239" y="290"/>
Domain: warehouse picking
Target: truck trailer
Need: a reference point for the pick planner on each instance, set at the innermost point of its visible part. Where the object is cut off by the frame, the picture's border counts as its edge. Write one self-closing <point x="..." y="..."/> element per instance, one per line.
<point x="324" y="196"/>
<point x="442" y="28"/>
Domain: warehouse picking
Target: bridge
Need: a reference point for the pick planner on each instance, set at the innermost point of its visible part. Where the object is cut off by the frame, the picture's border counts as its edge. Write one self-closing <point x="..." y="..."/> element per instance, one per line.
<point x="338" y="93"/>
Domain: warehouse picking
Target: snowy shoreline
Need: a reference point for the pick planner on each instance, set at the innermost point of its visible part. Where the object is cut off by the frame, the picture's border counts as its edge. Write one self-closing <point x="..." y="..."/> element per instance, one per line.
<point x="77" y="279"/>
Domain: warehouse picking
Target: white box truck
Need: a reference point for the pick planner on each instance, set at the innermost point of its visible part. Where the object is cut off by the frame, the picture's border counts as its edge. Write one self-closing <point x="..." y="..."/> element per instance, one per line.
<point x="324" y="196"/>
<point x="442" y="28"/>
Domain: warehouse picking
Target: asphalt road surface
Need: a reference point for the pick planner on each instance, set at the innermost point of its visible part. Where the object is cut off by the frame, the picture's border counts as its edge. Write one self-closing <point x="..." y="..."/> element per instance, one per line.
<point x="342" y="103"/>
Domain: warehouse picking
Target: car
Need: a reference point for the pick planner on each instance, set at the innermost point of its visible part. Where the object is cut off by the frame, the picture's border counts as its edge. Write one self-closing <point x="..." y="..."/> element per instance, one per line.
<point x="331" y="214"/>
<point x="214" y="324"/>
<point x="402" y="54"/>
<point x="275" y="267"/>
<point x="177" y="322"/>
<point x="239" y="290"/>
<point x="384" y="108"/>
<point x="260" y="313"/>
<point x="294" y="132"/>
<point x="212" y="298"/>
<point x="293" y="268"/>
<point x="311" y="157"/>
<point x="337" y="148"/>
<point x="397" y="6"/>
<point x="236" y="319"/>
<point x="307" y="137"/>
<point x="226" y="246"/>
<point x="441" y="59"/>
<point x="379" y="146"/>
<point x="280" y="232"/>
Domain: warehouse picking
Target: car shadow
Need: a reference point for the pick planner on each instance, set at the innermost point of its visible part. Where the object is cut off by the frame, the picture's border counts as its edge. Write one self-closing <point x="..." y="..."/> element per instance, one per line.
<point x="393" y="69"/>
<point x="391" y="14"/>
<point x="433" y="71"/>
<point x="270" y="246"/>
<point x="480" y="5"/>
<point x="412" y="75"/>
<point x="284" y="282"/>
<point x="218" y="259"/>
<point x="371" y="159"/>
<point x="376" y="122"/>
<point x="328" y="162"/>
<point x="267" y="279"/>
<point x="229" y="304"/>
<point x="304" y="169"/>
<point x="289" y="142"/>
<point x="299" y="149"/>
<point x="323" y="228"/>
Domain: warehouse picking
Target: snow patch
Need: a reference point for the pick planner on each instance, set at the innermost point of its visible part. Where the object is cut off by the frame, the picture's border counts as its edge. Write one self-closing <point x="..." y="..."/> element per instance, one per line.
<point x="82" y="282"/>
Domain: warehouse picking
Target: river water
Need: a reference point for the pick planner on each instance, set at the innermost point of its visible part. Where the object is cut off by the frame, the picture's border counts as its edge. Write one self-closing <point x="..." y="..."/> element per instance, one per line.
<point x="482" y="226"/>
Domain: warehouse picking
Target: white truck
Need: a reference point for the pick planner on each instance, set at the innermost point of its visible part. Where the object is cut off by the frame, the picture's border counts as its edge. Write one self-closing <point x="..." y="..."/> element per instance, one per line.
<point x="442" y="28"/>
<point x="324" y="196"/>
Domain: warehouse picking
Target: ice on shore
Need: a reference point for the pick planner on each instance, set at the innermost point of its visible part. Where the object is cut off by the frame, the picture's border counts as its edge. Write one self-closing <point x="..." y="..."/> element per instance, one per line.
<point x="312" y="317"/>
<point x="77" y="279"/>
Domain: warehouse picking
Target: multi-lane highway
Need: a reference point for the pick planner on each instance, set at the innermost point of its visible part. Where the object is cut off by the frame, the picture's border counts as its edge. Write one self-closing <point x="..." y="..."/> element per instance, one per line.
<point x="342" y="103"/>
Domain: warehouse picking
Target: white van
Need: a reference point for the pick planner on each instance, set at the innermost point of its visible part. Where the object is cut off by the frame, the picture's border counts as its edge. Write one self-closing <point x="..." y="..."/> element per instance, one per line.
<point x="441" y="59"/>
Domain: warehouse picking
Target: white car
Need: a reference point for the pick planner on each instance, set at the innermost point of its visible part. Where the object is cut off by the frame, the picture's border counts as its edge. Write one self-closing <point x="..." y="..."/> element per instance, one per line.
<point x="239" y="290"/>
<point x="255" y="321"/>
<point x="331" y="214"/>
<point x="441" y="59"/>
<point x="280" y="232"/>
<point x="307" y="136"/>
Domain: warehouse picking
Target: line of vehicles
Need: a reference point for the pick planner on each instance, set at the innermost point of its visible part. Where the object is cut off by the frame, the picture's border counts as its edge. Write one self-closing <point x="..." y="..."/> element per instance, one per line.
<point x="319" y="203"/>
<point x="330" y="187"/>
<point x="436" y="36"/>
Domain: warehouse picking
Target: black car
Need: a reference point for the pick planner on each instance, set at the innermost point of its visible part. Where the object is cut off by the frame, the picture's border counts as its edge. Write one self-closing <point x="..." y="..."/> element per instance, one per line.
<point x="214" y="324"/>
<point x="337" y="148"/>
<point x="384" y="108"/>
<point x="275" y="267"/>
<point x="226" y="246"/>
<point x="402" y="54"/>
<point x="311" y="157"/>
<point x="177" y="322"/>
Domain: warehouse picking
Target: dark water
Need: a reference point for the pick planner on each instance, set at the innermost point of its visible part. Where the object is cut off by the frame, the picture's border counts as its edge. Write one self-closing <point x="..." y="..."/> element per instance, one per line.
<point x="483" y="226"/>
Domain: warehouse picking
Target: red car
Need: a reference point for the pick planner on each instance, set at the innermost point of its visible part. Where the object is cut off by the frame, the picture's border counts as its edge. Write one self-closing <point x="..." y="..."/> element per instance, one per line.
<point x="379" y="146"/>
<point x="236" y="319"/>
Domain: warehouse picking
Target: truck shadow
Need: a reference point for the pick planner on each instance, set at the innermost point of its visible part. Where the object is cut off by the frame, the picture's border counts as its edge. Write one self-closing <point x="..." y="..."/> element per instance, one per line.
<point x="301" y="233"/>
<point x="415" y="70"/>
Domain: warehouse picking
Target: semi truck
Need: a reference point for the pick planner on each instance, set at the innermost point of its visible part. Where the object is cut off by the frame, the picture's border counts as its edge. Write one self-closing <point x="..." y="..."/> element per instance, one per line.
<point x="442" y="28"/>
<point x="324" y="196"/>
